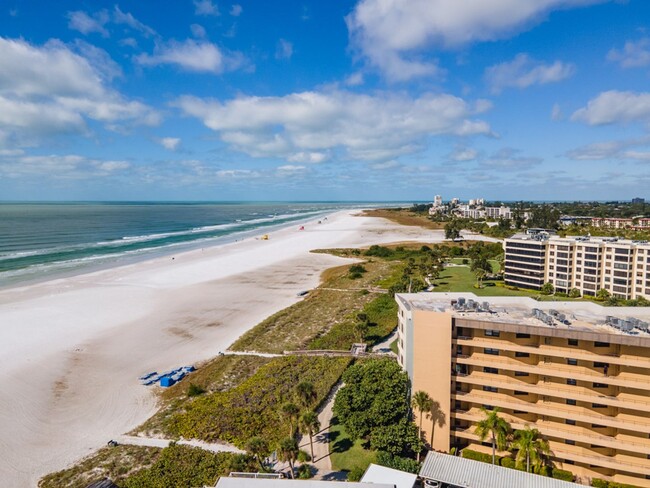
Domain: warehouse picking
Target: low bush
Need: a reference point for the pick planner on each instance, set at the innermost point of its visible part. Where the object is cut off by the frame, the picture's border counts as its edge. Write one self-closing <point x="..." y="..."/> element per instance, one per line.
<point x="598" y="483"/>
<point x="561" y="474"/>
<point x="355" y="474"/>
<point x="357" y="268"/>
<point x="305" y="472"/>
<point x="397" y="462"/>
<point x="194" y="390"/>
<point x="476" y="456"/>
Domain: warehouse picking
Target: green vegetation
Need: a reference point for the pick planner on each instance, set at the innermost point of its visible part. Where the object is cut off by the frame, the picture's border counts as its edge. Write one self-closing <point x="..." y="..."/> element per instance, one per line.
<point x="508" y="462"/>
<point x="150" y="467"/>
<point x="530" y="448"/>
<point x="116" y="463"/>
<point x="347" y="454"/>
<point x="598" y="483"/>
<point x="182" y="466"/>
<point x="396" y="462"/>
<point x="415" y="216"/>
<point x="495" y="428"/>
<point x="256" y="406"/>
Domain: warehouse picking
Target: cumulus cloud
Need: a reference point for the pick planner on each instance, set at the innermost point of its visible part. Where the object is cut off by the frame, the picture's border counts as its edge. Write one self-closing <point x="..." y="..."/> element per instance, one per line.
<point x="391" y="33"/>
<point x="355" y="79"/>
<point x="284" y="49"/>
<point x="205" y="7"/>
<point x="612" y="150"/>
<point x="84" y="23"/>
<point x="198" y="31"/>
<point x="191" y="55"/>
<point x="614" y="106"/>
<point x="635" y="54"/>
<point x="464" y="154"/>
<point x="363" y="127"/>
<point x="55" y="166"/>
<point x="128" y="19"/>
<point x="236" y="10"/>
<point x="509" y="158"/>
<point x="170" y="143"/>
<point x="309" y="157"/>
<point x="52" y="89"/>
<point x="523" y="72"/>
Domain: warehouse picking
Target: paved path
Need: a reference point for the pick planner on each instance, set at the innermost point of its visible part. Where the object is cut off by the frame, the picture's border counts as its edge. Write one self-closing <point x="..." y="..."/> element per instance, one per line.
<point x="156" y="442"/>
<point x="385" y="344"/>
<point x="321" y="440"/>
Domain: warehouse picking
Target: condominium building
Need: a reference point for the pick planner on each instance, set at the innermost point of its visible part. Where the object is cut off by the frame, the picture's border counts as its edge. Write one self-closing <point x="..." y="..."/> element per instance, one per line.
<point x="576" y="371"/>
<point x="622" y="267"/>
<point x="501" y="212"/>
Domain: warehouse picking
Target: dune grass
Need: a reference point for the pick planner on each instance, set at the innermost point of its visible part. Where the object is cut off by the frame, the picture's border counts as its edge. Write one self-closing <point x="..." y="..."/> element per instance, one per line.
<point x="405" y="217"/>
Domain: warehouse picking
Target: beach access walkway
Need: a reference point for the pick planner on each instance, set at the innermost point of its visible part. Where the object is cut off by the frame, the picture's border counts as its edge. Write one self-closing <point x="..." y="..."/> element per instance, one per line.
<point x="159" y="442"/>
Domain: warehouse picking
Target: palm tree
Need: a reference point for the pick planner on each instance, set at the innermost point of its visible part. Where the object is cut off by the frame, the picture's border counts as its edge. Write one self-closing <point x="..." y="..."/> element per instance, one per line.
<point x="421" y="401"/>
<point x="306" y="392"/>
<point x="494" y="427"/>
<point x="530" y="447"/>
<point x="310" y="425"/>
<point x="437" y="416"/>
<point x="259" y="448"/>
<point x="289" y="452"/>
<point x="290" y="411"/>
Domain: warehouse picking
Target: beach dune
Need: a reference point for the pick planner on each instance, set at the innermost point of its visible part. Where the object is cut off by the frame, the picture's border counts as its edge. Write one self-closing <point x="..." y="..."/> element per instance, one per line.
<point x="71" y="350"/>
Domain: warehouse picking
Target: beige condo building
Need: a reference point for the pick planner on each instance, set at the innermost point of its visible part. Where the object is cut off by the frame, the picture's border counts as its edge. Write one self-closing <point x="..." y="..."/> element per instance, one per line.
<point x="622" y="267"/>
<point x="576" y="371"/>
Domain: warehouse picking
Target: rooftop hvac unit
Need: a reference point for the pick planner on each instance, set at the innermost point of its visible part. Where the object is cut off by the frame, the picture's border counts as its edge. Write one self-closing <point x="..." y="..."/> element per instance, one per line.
<point x="642" y="326"/>
<point x="610" y="319"/>
<point x="461" y="301"/>
<point x="486" y="306"/>
<point x="627" y="327"/>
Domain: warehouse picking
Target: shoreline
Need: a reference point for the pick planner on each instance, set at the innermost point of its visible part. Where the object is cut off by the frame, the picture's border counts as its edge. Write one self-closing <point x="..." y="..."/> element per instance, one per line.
<point x="71" y="349"/>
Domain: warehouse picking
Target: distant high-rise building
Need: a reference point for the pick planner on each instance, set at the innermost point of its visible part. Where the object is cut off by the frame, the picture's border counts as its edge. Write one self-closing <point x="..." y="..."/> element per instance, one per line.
<point x="437" y="201"/>
<point x="638" y="200"/>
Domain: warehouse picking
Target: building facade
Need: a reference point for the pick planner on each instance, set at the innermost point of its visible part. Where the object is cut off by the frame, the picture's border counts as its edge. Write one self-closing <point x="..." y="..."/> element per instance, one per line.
<point x="573" y="372"/>
<point x="588" y="264"/>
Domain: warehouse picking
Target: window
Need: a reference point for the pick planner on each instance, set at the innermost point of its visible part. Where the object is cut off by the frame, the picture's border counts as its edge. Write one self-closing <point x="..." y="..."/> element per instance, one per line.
<point x="487" y="369"/>
<point x="571" y="442"/>
<point x="598" y="405"/>
<point x="573" y="342"/>
<point x="521" y="335"/>
<point x="600" y="385"/>
<point x="520" y="393"/>
<point x="601" y="344"/>
<point x="489" y="350"/>
<point x="521" y="354"/>
<point x="520" y="412"/>
<point x="571" y="381"/>
<point x="570" y="422"/>
<point x="520" y="373"/>
<point x="491" y="389"/>
<point x="598" y="426"/>
<point x="570" y="401"/>
<point x="492" y="333"/>
<point x="572" y="362"/>
<point x="599" y="365"/>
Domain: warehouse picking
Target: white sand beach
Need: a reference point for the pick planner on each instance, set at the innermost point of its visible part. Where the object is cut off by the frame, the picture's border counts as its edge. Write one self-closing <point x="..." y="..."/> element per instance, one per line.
<point x="71" y="350"/>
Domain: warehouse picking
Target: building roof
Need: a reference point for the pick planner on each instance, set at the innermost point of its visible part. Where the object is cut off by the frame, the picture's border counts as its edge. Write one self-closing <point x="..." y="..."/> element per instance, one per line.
<point x="468" y="473"/>
<point x="583" y="316"/>
<point x="227" y="482"/>
<point x="382" y="474"/>
<point x="105" y="483"/>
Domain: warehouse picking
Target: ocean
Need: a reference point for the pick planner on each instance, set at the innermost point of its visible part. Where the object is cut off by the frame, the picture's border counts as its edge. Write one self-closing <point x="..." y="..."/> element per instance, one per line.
<point x="40" y="241"/>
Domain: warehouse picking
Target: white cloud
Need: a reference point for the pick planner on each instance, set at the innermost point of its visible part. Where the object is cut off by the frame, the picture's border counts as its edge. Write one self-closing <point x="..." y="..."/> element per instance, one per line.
<point x="523" y="72"/>
<point x="612" y="150"/>
<point x="284" y="49"/>
<point x="236" y="10"/>
<point x="391" y="33"/>
<point x="205" y="7"/>
<point x="170" y="143"/>
<point x="191" y="55"/>
<point x="129" y="41"/>
<point x="509" y="158"/>
<point x="464" y="154"/>
<point x="289" y="168"/>
<point x="355" y="79"/>
<point x="635" y="54"/>
<point x="556" y="112"/>
<point x="62" y="167"/>
<point x="364" y="127"/>
<point x="615" y="107"/>
<point x="127" y="18"/>
<point x="198" y="31"/>
<point x="309" y="157"/>
<point x="84" y="23"/>
<point x="51" y="89"/>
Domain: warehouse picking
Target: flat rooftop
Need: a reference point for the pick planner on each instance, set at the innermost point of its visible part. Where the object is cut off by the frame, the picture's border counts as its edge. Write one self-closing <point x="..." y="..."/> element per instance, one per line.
<point x="576" y="315"/>
<point x="543" y="237"/>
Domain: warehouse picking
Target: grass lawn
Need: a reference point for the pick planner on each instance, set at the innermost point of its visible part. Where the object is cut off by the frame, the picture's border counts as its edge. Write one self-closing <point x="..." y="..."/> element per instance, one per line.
<point x="345" y="454"/>
<point x="393" y="346"/>
<point x="461" y="279"/>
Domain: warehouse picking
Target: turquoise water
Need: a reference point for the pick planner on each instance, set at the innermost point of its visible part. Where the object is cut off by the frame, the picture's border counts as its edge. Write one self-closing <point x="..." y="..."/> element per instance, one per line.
<point x="44" y="240"/>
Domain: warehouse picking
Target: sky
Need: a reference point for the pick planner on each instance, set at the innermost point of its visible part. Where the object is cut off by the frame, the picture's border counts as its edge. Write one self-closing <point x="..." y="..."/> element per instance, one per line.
<point x="317" y="100"/>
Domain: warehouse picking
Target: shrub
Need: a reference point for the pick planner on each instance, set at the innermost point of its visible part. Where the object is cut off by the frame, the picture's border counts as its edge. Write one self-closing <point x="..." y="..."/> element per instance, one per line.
<point x="507" y="462"/>
<point x="303" y="456"/>
<point x="465" y="261"/>
<point x="355" y="474"/>
<point x="194" y="390"/>
<point x="561" y="474"/>
<point x="379" y="251"/>
<point x="357" y="268"/>
<point x="305" y="472"/>
<point x="399" y="463"/>
<point x="355" y="276"/>
<point x="574" y="293"/>
<point x="476" y="456"/>
<point x="598" y="483"/>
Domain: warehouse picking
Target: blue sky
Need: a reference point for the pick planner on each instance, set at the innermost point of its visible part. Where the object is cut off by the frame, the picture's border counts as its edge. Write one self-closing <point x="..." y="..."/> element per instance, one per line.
<point x="314" y="100"/>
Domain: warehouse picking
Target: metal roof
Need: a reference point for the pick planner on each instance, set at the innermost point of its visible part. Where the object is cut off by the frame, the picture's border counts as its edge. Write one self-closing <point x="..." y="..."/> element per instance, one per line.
<point x="468" y="473"/>
<point x="227" y="482"/>
<point x="382" y="474"/>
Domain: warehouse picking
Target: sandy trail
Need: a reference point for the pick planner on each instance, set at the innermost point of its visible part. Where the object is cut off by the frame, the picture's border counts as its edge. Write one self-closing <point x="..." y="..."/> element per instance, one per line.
<point x="71" y="349"/>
